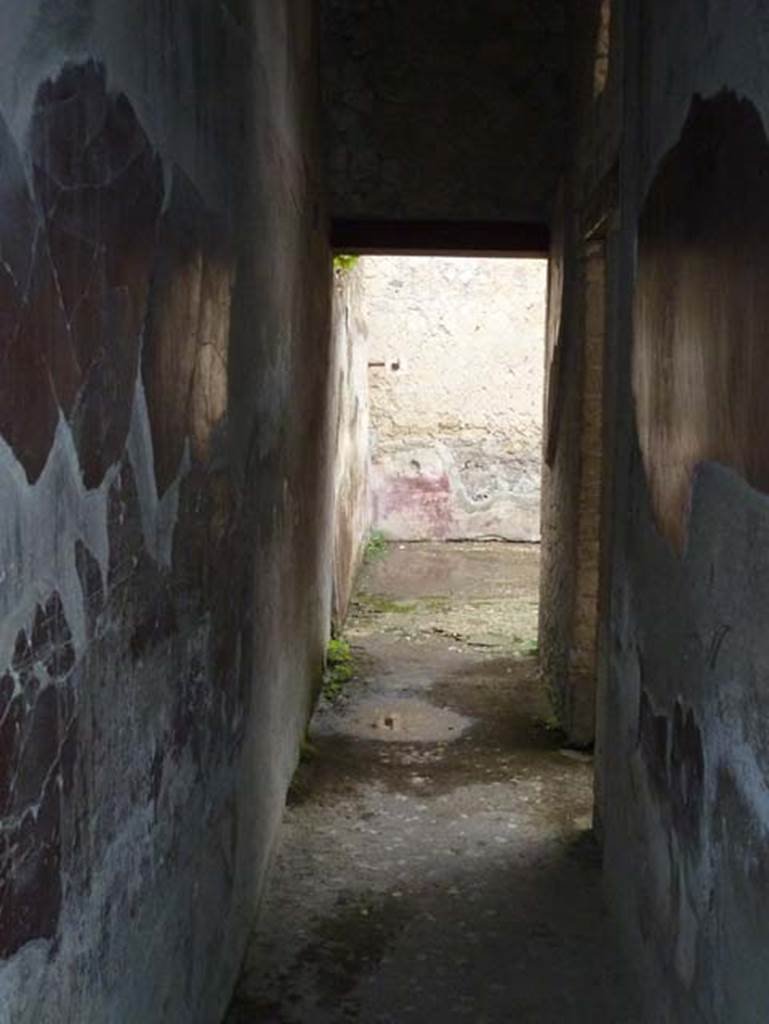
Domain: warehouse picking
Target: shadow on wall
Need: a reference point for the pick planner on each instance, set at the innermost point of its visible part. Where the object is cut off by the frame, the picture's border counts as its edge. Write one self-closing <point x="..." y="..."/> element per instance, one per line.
<point x="700" y="359"/>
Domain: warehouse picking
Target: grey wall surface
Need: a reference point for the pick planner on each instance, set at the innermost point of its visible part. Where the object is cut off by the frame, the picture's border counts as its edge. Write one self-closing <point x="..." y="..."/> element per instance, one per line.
<point x="683" y="795"/>
<point x="165" y="490"/>
<point x="444" y="110"/>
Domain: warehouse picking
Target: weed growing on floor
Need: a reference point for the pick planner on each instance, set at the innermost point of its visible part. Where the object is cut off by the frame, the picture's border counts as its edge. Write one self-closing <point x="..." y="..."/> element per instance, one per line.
<point x="376" y="546"/>
<point x="339" y="668"/>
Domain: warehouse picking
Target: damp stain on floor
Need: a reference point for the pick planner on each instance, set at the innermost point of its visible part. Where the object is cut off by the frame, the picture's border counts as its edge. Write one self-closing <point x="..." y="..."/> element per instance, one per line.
<point x="436" y="862"/>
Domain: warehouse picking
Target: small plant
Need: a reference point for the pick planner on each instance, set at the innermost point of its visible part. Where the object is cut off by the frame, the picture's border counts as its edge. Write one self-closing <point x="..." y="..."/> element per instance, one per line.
<point x="301" y="785"/>
<point x="550" y="724"/>
<point x="344" y="261"/>
<point x="376" y="546"/>
<point x="528" y="648"/>
<point x="306" y="751"/>
<point x="339" y="668"/>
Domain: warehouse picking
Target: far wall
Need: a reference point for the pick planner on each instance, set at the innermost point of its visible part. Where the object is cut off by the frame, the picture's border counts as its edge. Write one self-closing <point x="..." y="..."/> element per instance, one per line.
<point x="456" y="353"/>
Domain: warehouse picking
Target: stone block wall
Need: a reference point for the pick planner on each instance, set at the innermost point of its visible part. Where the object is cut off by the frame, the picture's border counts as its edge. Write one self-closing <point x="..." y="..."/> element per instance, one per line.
<point x="456" y="355"/>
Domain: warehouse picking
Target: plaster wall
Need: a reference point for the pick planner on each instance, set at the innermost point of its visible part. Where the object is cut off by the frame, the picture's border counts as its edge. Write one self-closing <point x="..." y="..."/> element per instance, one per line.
<point x="352" y="512"/>
<point x="456" y="354"/>
<point x="444" y="110"/>
<point x="683" y="766"/>
<point x="165" y="491"/>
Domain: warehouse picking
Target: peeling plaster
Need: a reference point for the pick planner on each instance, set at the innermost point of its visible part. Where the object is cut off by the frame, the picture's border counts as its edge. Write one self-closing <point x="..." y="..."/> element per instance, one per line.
<point x="159" y="514"/>
<point x="39" y="528"/>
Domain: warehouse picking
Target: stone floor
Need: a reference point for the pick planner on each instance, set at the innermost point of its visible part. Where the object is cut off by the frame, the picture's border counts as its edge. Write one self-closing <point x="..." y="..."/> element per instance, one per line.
<point x="436" y="862"/>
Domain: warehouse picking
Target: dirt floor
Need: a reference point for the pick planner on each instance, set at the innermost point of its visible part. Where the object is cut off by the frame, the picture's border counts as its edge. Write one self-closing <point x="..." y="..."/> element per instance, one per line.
<point x="436" y="862"/>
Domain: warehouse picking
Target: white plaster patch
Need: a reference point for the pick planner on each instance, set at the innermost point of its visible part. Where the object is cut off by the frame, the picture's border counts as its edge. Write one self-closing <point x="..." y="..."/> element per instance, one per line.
<point x="159" y="514"/>
<point x="20" y="982"/>
<point x="42" y="522"/>
<point x="39" y="528"/>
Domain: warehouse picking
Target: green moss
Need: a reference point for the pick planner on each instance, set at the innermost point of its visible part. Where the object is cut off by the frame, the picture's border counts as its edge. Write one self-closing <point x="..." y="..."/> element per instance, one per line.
<point x="379" y="605"/>
<point x="339" y="668"/>
<point x="300" y="786"/>
<point x="376" y="546"/>
<point x="306" y="751"/>
<point x="382" y="605"/>
<point x="550" y="724"/>
<point x="344" y="261"/>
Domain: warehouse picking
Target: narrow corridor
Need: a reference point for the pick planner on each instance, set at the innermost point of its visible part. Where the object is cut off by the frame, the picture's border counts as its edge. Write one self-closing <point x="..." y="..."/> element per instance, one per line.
<point x="436" y="862"/>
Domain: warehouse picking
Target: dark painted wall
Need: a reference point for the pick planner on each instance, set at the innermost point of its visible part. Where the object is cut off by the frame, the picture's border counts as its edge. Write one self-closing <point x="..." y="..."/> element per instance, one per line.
<point x="683" y="793"/>
<point x="700" y="359"/>
<point x="164" y="490"/>
<point x="444" y="109"/>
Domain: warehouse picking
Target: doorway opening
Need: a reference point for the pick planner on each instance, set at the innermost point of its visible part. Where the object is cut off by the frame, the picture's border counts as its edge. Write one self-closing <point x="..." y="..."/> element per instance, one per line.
<point x="452" y="394"/>
<point x="439" y="440"/>
<point x="439" y="425"/>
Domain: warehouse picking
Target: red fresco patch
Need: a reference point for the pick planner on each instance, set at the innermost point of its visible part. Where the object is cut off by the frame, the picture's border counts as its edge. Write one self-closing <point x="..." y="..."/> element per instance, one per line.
<point x="422" y="497"/>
